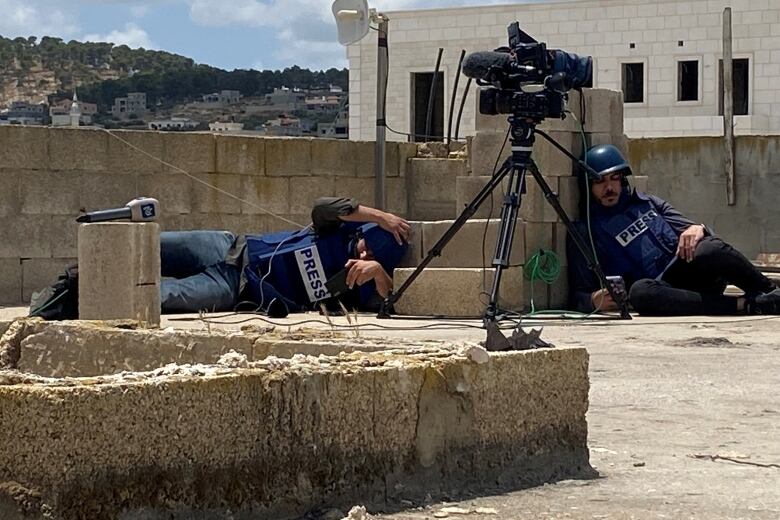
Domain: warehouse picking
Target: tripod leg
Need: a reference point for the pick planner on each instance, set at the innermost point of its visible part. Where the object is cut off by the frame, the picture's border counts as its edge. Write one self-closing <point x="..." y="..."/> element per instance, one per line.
<point x="436" y="250"/>
<point x="506" y="235"/>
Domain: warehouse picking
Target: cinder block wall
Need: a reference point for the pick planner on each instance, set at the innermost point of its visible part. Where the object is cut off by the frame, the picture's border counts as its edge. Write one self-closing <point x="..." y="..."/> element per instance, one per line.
<point x="48" y="174"/>
<point x="689" y="172"/>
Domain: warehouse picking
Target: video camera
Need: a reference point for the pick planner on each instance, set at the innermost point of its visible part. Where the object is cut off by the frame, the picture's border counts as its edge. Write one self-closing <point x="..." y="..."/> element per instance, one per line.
<point x="527" y="78"/>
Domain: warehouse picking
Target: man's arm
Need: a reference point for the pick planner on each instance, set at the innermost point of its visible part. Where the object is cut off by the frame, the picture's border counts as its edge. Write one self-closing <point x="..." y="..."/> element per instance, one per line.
<point x="689" y="232"/>
<point x="328" y="212"/>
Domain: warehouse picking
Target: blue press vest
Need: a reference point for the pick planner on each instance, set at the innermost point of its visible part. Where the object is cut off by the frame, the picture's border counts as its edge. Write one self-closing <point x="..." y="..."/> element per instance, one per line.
<point x="638" y="243"/>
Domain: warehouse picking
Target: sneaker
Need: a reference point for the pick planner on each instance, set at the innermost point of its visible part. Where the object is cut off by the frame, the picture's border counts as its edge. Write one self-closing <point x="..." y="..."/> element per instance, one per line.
<point x="768" y="303"/>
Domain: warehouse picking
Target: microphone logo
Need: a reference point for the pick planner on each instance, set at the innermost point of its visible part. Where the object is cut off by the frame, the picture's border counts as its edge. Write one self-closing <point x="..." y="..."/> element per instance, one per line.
<point x="147" y="210"/>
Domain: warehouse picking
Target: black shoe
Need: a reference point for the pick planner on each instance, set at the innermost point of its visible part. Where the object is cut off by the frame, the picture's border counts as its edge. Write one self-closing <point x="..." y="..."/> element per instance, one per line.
<point x="768" y="303"/>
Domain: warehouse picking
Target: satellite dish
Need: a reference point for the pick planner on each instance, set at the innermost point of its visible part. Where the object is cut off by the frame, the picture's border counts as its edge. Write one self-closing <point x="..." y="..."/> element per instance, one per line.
<point x="352" y="19"/>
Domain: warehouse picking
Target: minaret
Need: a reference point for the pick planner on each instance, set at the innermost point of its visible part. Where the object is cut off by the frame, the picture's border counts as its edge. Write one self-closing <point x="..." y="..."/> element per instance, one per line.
<point x="75" y="111"/>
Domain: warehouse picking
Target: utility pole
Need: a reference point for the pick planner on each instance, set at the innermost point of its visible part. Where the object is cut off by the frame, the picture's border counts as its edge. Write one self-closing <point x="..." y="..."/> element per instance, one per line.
<point x="728" y="109"/>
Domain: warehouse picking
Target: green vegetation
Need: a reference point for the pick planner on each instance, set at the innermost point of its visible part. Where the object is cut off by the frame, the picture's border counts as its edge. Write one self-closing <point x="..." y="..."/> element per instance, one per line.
<point x="166" y="78"/>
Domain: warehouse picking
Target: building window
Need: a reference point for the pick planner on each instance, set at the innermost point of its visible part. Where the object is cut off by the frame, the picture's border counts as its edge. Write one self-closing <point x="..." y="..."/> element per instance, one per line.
<point x="741" y="77"/>
<point x="688" y="80"/>
<point x="633" y="81"/>
<point x="421" y="91"/>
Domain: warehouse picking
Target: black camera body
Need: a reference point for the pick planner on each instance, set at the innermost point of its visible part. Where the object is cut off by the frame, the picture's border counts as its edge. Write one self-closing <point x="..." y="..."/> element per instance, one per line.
<point x="527" y="79"/>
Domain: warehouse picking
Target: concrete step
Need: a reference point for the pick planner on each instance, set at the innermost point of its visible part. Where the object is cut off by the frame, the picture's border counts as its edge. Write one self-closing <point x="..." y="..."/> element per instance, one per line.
<point x="463" y="292"/>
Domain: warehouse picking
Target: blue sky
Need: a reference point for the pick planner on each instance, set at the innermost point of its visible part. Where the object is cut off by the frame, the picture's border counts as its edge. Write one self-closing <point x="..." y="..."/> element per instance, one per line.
<point x="260" y="34"/>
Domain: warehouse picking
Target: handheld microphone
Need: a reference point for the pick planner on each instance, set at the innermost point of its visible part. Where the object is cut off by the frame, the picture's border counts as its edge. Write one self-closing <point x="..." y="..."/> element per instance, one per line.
<point x="478" y="65"/>
<point x="142" y="209"/>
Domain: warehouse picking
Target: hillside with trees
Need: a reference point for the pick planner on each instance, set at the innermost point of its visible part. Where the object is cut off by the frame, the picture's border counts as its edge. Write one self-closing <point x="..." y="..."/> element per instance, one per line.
<point x="32" y="70"/>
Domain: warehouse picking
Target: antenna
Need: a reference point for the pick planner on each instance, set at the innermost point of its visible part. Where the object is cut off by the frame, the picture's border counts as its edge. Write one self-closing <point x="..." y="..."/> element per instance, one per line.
<point x="352" y="19"/>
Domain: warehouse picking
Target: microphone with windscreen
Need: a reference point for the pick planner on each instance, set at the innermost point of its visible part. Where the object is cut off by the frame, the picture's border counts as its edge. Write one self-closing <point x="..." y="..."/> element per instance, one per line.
<point x="142" y="209"/>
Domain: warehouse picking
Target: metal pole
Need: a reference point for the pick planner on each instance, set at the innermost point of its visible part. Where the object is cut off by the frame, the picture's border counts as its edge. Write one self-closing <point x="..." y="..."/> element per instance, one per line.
<point x="728" y="109"/>
<point x="460" y="110"/>
<point x="432" y="95"/>
<point x="381" y="96"/>
<point x="454" y="93"/>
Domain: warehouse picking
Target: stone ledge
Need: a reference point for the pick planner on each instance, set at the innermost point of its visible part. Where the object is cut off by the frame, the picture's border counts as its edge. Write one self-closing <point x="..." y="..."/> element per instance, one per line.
<point x="279" y="439"/>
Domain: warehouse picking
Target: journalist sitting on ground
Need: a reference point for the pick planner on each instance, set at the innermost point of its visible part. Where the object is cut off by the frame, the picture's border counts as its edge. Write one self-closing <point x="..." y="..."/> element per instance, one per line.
<point x="670" y="265"/>
<point x="286" y="271"/>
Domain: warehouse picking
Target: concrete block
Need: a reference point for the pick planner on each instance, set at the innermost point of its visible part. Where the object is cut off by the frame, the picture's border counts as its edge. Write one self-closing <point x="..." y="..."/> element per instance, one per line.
<point x="396" y="196"/>
<point x="467" y="188"/>
<point x="364" y="153"/>
<point x="175" y="192"/>
<point x="24" y="147"/>
<point x="415" y="252"/>
<point x="102" y="191"/>
<point x="119" y="271"/>
<point x="286" y="157"/>
<point x="457" y="292"/>
<point x="359" y="188"/>
<point x="550" y="160"/>
<point x="604" y="111"/>
<point x="534" y="206"/>
<point x="406" y="152"/>
<point x="639" y="182"/>
<point x="241" y="155"/>
<point x="431" y="187"/>
<point x="558" y="292"/>
<point x="10" y="194"/>
<point x="269" y="194"/>
<point x="128" y="149"/>
<point x="189" y="151"/>
<point x="26" y="236"/>
<point x="620" y="141"/>
<point x="38" y="273"/>
<point x="484" y="152"/>
<point x="10" y="281"/>
<point x="63" y="233"/>
<point x="466" y="249"/>
<point x="83" y="149"/>
<point x="569" y="196"/>
<point x="212" y="198"/>
<point x="335" y="157"/>
<point x="50" y="193"/>
<point x="305" y="190"/>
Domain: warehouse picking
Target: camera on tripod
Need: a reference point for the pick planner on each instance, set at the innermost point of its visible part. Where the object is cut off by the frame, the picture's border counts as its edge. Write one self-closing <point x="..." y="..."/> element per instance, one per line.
<point x="526" y="78"/>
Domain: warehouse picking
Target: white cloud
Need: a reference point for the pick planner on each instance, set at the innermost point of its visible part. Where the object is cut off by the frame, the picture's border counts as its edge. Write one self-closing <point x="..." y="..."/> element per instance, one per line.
<point x="132" y="36"/>
<point x="41" y="18"/>
<point x="305" y="29"/>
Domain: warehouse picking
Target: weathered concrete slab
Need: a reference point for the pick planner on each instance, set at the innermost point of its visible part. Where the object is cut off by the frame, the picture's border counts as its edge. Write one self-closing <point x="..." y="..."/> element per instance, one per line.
<point x="10" y="281"/>
<point x="288" y="156"/>
<point x="240" y="155"/>
<point x="431" y="187"/>
<point x="24" y="147"/>
<point x="279" y="438"/>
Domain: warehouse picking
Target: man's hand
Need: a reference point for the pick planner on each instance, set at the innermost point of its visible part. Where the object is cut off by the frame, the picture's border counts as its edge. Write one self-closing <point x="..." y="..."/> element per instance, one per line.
<point x="689" y="239"/>
<point x="602" y="301"/>
<point x="362" y="271"/>
<point x="394" y="224"/>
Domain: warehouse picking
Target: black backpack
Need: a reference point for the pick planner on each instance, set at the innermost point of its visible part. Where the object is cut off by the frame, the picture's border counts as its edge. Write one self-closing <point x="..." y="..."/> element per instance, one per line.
<point x="60" y="301"/>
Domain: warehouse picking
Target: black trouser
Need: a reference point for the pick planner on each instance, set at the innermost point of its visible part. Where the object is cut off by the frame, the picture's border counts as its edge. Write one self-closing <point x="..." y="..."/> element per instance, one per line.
<point x="696" y="287"/>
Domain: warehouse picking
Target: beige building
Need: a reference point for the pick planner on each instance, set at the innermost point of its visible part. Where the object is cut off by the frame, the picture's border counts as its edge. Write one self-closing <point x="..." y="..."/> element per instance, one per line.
<point x="664" y="55"/>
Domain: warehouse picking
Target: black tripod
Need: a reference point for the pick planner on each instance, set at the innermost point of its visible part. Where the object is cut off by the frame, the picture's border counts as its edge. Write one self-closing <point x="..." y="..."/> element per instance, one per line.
<point x="522" y="136"/>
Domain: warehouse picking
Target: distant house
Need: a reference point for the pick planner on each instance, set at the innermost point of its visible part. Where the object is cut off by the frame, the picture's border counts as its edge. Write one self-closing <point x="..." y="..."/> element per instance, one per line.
<point x="285" y="99"/>
<point x="287" y="125"/>
<point x="224" y="127"/>
<point x="132" y="105"/>
<point x="223" y="98"/>
<point x="24" y="113"/>
<point x="174" y="123"/>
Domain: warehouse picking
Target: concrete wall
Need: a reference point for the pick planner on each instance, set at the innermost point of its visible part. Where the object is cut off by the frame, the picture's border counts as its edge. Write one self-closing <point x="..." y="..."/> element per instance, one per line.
<point x="48" y="174"/>
<point x="689" y="173"/>
<point x="604" y="29"/>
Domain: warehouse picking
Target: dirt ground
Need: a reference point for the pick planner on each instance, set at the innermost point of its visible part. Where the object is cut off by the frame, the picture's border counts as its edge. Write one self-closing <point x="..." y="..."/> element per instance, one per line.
<point x="684" y="420"/>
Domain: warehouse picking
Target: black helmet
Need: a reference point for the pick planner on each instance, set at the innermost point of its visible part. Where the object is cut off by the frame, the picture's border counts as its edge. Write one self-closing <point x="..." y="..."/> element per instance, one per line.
<point x="607" y="159"/>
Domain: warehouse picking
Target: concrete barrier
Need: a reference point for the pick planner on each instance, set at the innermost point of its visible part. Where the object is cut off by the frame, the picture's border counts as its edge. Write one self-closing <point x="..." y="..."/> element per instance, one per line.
<point x="276" y="439"/>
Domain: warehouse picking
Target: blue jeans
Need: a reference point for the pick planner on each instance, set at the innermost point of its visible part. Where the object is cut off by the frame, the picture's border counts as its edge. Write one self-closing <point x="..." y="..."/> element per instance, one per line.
<point x="196" y="276"/>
